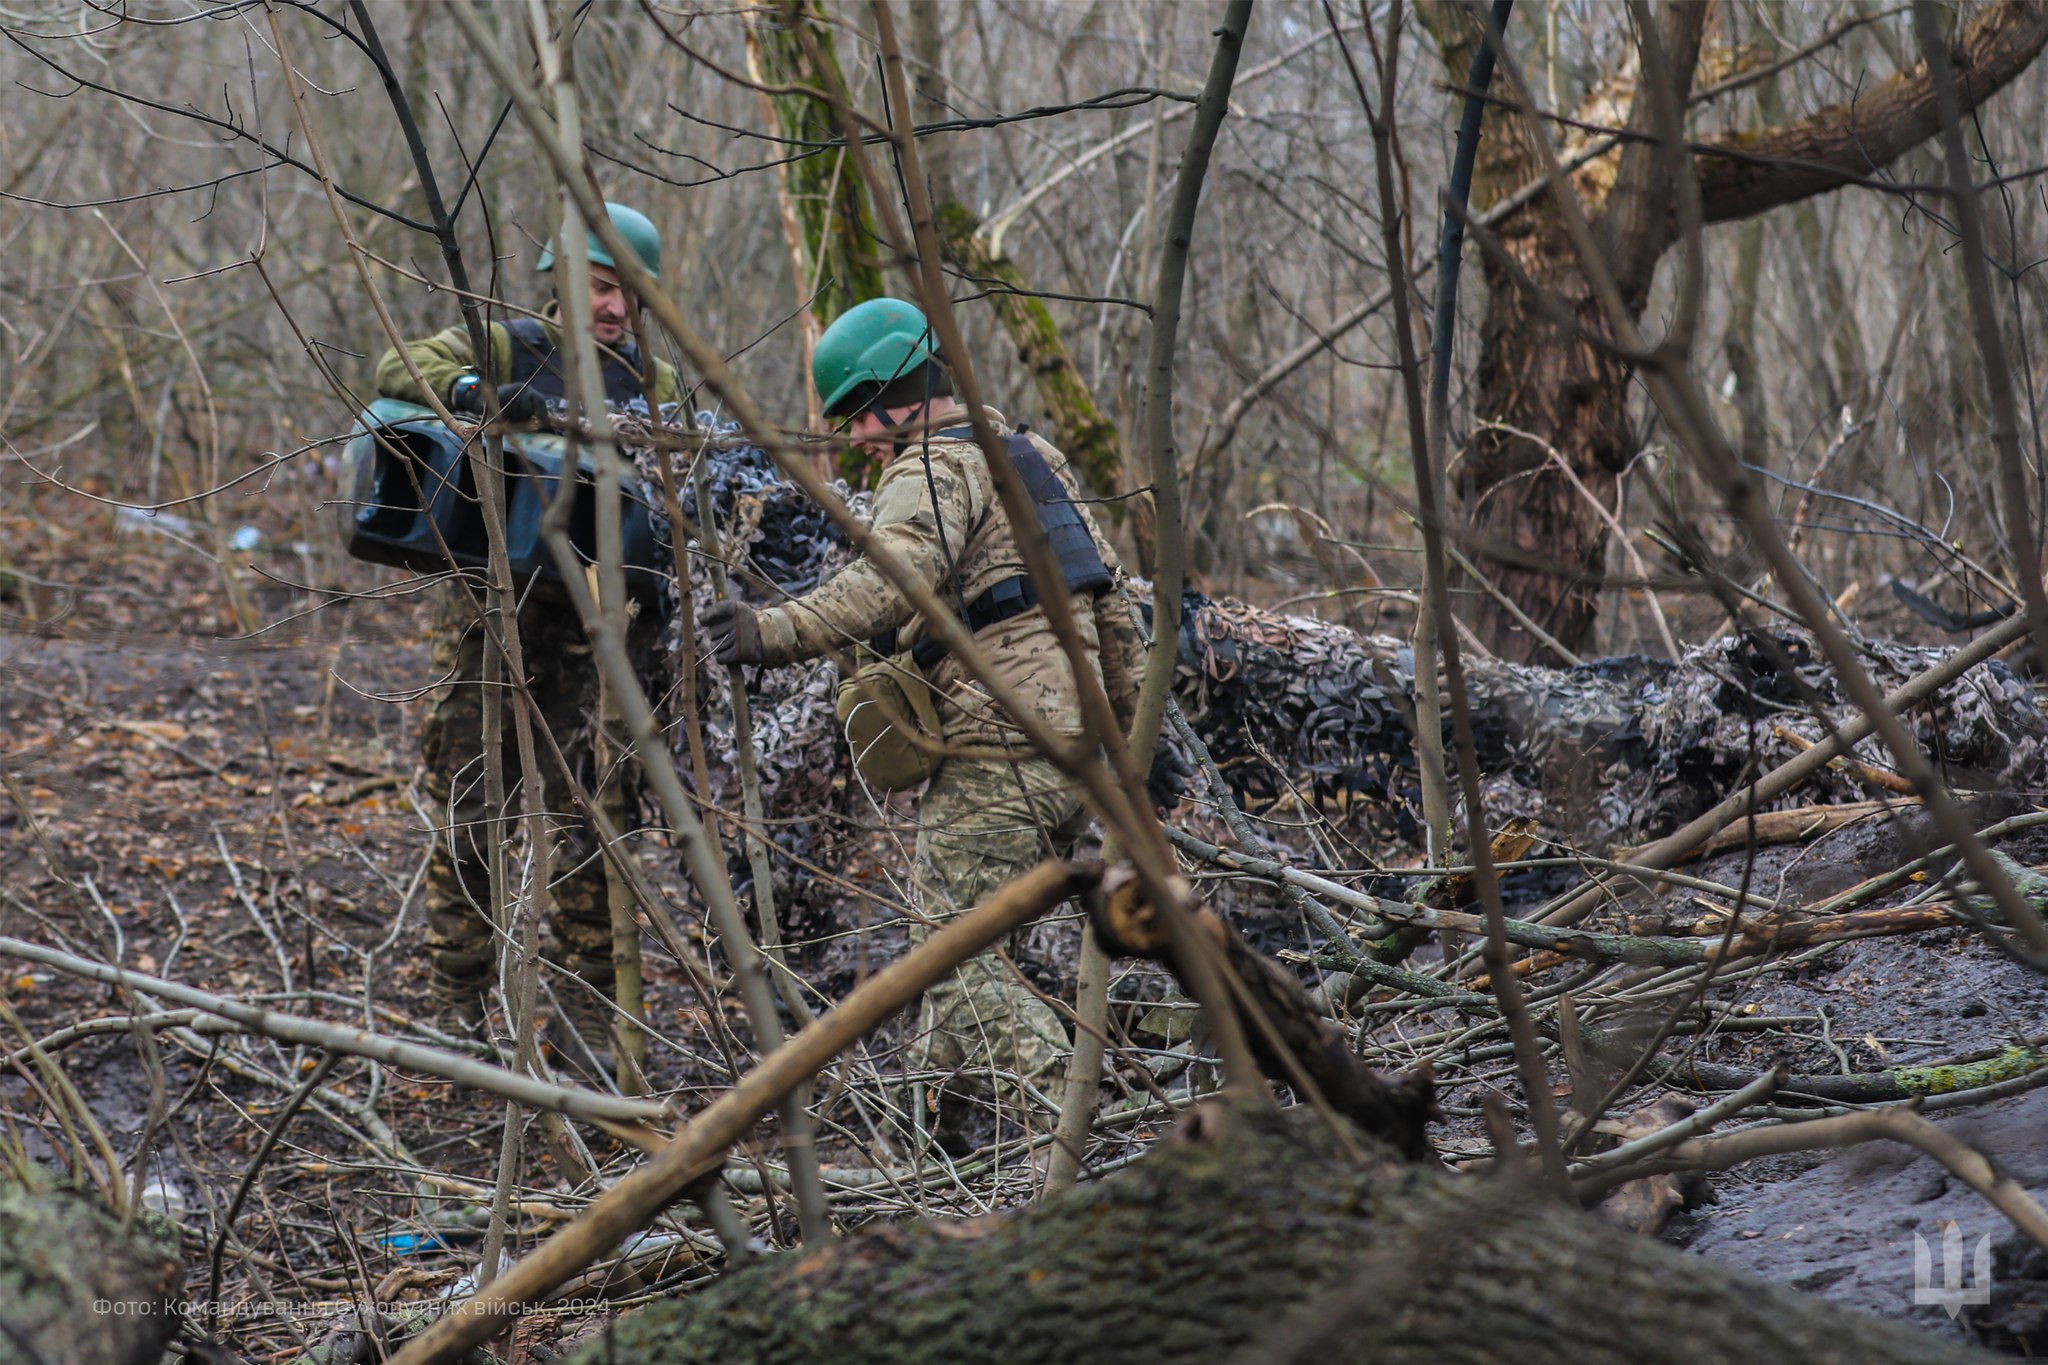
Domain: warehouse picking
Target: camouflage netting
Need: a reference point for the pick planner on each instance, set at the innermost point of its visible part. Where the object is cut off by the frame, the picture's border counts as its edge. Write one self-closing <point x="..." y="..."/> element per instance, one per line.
<point x="1611" y="752"/>
<point x="1618" y="751"/>
<point x="778" y="537"/>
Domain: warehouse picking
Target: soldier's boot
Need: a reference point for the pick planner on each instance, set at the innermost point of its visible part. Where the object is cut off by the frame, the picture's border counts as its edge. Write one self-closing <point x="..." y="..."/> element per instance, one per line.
<point x="953" y="1124"/>
<point x="581" y="1030"/>
<point x="583" y="943"/>
<point x="460" y="1014"/>
<point x="463" y="956"/>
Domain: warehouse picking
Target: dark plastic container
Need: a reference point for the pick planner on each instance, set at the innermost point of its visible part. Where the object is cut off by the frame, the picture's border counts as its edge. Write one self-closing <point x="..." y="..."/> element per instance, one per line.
<point x="409" y="499"/>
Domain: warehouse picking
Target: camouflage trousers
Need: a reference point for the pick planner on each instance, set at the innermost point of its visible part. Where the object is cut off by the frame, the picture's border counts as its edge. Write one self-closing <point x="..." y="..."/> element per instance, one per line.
<point x="981" y="824"/>
<point x="562" y="678"/>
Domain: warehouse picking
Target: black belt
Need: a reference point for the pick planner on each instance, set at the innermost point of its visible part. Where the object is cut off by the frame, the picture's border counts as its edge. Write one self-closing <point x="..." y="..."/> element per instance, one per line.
<point x="1006" y="600"/>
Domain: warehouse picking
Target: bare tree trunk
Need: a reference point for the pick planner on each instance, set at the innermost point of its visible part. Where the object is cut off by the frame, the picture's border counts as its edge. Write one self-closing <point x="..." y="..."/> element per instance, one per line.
<point x="1740" y="344"/>
<point x="1545" y="544"/>
<point x="1541" y="539"/>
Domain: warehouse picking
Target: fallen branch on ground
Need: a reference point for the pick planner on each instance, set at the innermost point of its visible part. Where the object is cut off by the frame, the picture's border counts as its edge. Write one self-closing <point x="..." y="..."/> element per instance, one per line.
<point x="1900" y="1123"/>
<point x="625" y="1118"/>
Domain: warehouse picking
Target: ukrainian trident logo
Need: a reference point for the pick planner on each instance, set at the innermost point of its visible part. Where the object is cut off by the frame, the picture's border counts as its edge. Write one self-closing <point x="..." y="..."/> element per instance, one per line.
<point x="1952" y="1293"/>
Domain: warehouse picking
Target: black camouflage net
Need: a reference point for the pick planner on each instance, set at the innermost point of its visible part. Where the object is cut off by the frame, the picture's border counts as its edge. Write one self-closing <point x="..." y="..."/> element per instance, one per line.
<point x="1611" y="752"/>
<point x="1291" y="707"/>
<point x="1314" y="715"/>
<point x="783" y="545"/>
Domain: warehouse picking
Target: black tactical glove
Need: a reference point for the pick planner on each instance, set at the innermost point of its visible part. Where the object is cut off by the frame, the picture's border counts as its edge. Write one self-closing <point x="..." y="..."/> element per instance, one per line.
<point x="731" y="632"/>
<point x="1169" y="779"/>
<point x="517" y="403"/>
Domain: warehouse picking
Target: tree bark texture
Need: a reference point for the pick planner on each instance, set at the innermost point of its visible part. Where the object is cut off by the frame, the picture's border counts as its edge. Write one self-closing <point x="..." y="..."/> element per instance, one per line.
<point x="1249" y="1235"/>
<point x="1539" y="538"/>
<point x="77" y="1286"/>
<point x="825" y="187"/>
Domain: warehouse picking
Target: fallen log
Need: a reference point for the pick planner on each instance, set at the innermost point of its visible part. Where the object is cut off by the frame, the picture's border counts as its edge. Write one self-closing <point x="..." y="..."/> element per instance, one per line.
<point x="77" y="1285"/>
<point x="1250" y="1235"/>
<point x="1292" y="1041"/>
<point x="1612" y="752"/>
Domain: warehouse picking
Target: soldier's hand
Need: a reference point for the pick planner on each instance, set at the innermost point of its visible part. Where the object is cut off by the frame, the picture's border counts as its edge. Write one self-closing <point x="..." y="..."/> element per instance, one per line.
<point x="1169" y="779"/>
<point x="516" y="402"/>
<point x="520" y="403"/>
<point x="732" y="633"/>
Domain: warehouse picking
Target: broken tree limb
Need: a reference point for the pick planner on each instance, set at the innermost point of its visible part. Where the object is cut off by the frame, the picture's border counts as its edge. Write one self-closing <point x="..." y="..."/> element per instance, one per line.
<point x="1876" y="777"/>
<point x="700" y="1147"/>
<point x="1641" y="949"/>
<point x="1302" y="1044"/>
<point x="1645" y="1206"/>
<point x="1898" y="1123"/>
<point x="1969" y="1072"/>
<point x="1727" y="1107"/>
<point x="1784" y="826"/>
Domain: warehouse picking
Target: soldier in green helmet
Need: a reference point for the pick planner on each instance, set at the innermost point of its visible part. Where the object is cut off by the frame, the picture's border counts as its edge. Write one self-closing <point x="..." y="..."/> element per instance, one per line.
<point x="527" y="374"/>
<point x="525" y="363"/>
<point x="995" y="808"/>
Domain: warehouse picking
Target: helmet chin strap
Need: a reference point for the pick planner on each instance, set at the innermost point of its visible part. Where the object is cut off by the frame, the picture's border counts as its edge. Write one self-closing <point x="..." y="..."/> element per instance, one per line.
<point x="881" y="413"/>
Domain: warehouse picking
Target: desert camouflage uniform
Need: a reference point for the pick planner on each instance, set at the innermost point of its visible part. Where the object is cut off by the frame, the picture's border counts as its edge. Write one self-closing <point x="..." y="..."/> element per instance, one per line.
<point x="982" y="821"/>
<point x="562" y="677"/>
<point x="980" y="824"/>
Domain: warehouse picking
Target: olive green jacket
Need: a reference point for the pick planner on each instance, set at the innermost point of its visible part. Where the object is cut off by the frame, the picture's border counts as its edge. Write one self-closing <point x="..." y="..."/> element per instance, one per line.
<point x="446" y="356"/>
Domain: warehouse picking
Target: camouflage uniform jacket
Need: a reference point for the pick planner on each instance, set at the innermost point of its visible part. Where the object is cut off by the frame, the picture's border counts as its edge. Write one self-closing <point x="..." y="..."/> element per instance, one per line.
<point x="859" y="603"/>
<point x="447" y="355"/>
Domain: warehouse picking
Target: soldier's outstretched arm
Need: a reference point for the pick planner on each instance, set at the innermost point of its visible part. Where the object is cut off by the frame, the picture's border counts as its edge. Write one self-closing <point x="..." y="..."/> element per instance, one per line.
<point x="859" y="603"/>
<point x="442" y="359"/>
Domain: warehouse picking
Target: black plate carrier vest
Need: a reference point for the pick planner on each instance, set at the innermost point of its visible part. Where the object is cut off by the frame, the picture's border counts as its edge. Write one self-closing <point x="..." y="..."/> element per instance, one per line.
<point x="1080" y="562"/>
<point x="537" y="365"/>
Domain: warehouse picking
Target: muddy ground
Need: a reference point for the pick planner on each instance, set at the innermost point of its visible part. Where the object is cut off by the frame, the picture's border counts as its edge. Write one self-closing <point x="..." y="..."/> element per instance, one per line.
<point x="240" y="813"/>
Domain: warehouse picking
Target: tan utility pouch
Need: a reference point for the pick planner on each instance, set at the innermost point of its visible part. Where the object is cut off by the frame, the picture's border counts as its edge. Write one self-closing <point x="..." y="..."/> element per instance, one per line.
<point x="878" y="707"/>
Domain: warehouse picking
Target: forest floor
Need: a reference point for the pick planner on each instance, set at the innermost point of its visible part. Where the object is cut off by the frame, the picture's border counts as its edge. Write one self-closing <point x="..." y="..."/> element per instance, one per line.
<point x="241" y="813"/>
<point x="1844" y="1225"/>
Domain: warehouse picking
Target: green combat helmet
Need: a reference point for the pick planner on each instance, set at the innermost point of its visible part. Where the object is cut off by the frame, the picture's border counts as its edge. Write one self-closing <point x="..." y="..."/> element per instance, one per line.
<point x="875" y="342"/>
<point x="639" y="233"/>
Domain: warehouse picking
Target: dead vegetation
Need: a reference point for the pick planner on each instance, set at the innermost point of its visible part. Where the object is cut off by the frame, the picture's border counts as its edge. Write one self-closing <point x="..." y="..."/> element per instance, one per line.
<point x="1720" y="546"/>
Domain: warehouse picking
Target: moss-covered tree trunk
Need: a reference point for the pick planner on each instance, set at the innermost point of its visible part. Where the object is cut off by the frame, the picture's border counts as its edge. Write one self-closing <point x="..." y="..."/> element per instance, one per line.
<point x="75" y="1285"/>
<point x="841" y="260"/>
<point x="1250" y="1236"/>
<point x="842" y="263"/>
<point x="834" y="257"/>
